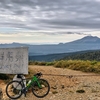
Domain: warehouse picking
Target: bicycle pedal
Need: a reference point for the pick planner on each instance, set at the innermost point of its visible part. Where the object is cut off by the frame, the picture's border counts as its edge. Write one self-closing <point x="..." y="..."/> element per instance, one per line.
<point x="24" y="90"/>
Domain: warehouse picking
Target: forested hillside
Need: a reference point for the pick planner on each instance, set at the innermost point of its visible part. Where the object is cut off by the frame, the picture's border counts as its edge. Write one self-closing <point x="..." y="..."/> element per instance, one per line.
<point x="89" y="55"/>
<point x="82" y="55"/>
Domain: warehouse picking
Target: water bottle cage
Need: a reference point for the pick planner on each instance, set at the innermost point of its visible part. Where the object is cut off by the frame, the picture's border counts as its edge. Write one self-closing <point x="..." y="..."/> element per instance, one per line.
<point x="28" y="82"/>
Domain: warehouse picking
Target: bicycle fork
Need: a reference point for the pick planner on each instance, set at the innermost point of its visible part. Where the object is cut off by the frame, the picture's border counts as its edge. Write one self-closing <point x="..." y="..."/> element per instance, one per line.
<point x="24" y="91"/>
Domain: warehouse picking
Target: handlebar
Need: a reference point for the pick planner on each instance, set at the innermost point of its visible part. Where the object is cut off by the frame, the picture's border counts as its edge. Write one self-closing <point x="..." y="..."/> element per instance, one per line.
<point x="38" y="74"/>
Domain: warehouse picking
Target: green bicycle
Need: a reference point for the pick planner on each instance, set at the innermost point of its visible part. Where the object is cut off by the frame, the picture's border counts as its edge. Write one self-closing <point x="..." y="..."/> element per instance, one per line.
<point x="40" y="87"/>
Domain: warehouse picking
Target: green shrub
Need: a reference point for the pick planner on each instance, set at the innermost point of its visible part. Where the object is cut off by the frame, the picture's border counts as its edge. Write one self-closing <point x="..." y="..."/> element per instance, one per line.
<point x="49" y="63"/>
<point x="41" y="63"/>
<point x="81" y="65"/>
<point x="33" y="63"/>
<point x="85" y="66"/>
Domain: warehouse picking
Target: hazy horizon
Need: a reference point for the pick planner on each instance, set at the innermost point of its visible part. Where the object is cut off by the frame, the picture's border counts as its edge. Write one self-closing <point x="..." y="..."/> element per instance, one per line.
<point x="47" y="43"/>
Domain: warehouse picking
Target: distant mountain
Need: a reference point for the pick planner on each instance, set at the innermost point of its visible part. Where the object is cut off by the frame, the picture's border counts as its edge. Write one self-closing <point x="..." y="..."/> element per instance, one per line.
<point x="88" y="39"/>
<point x="86" y="43"/>
<point x="49" y="57"/>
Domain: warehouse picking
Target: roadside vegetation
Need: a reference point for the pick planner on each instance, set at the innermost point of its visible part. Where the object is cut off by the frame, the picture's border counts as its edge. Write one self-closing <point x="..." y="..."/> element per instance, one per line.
<point x="41" y="63"/>
<point x="81" y="65"/>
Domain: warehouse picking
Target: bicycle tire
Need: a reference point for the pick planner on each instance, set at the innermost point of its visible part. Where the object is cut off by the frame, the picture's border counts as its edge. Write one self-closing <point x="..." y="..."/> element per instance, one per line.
<point x="40" y="92"/>
<point x="13" y="89"/>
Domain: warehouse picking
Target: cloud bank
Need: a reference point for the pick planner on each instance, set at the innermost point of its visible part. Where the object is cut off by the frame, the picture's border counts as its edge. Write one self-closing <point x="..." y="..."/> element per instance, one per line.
<point x="50" y="14"/>
<point x="30" y="18"/>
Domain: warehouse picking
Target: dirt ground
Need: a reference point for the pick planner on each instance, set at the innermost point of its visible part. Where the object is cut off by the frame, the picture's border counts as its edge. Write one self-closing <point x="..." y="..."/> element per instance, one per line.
<point x="64" y="84"/>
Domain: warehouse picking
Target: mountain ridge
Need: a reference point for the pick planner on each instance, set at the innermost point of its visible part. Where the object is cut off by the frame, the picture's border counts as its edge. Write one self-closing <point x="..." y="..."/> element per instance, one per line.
<point x="85" y="43"/>
<point x="87" y="39"/>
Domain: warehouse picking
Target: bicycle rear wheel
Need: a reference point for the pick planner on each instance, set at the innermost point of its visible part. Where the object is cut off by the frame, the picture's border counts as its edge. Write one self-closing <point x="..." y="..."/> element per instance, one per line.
<point x="41" y="91"/>
<point x="13" y="89"/>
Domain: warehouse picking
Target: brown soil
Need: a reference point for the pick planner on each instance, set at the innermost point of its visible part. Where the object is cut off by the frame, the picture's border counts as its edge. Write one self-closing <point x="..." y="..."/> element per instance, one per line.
<point x="65" y="87"/>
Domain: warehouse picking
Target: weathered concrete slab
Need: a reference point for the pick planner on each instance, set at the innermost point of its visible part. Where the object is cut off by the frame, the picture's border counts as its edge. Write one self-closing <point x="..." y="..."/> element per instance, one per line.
<point x="14" y="60"/>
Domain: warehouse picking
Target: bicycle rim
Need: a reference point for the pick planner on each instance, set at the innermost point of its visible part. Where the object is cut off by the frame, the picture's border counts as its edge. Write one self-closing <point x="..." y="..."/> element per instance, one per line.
<point x="43" y="91"/>
<point x="13" y="89"/>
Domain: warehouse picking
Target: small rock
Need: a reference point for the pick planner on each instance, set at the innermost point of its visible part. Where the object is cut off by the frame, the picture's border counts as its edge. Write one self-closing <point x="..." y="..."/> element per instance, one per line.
<point x="54" y="87"/>
<point x="62" y="86"/>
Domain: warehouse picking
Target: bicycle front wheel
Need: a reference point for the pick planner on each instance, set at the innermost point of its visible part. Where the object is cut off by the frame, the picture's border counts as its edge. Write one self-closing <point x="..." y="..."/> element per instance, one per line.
<point x="13" y="89"/>
<point x="41" y="88"/>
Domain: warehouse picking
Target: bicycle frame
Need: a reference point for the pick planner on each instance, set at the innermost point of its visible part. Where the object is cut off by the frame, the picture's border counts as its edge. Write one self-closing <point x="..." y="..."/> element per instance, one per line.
<point x="33" y="80"/>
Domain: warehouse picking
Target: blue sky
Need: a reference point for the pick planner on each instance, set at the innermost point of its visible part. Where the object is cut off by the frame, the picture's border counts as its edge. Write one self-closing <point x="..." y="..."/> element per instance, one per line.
<point x="48" y="21"/>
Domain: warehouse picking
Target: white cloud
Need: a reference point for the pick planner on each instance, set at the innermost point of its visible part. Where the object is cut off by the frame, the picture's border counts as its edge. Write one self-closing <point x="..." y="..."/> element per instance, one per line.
<point x="97" y="0"/>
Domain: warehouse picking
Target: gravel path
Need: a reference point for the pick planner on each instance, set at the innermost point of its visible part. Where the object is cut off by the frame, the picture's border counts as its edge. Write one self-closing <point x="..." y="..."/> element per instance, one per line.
<point x="67" y="88"/>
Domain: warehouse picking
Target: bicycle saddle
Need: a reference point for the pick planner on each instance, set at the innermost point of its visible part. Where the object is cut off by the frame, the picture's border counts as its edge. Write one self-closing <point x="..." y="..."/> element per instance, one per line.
<point x="19" y="75"/>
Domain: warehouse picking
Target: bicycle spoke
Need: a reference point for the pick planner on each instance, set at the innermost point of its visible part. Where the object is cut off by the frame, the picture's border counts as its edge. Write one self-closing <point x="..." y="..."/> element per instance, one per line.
<point x="41" y="91"/>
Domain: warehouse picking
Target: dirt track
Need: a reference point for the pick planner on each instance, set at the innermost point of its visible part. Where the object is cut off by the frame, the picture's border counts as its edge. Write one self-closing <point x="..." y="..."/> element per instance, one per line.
<point x="64" y="87"/>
